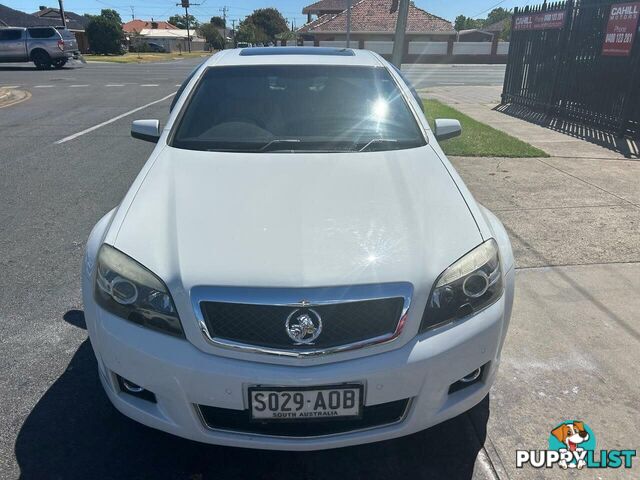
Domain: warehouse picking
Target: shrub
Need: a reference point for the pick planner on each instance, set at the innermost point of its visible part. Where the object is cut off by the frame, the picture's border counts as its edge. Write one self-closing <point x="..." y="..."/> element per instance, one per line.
<point x="105" y="35"/>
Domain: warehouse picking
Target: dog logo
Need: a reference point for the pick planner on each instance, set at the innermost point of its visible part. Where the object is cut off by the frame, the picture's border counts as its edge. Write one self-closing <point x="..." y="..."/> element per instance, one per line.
<point x="573" y="435"/>
<point x="303" y="326"/>
<point x="572" y="444"/>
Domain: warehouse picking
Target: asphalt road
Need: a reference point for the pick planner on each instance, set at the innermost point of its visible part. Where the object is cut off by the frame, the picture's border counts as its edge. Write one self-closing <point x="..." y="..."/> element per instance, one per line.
<point x="56" y="420"/>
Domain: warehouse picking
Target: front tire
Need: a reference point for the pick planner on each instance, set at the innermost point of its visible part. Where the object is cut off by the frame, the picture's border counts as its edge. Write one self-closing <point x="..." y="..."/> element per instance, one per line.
<point x="41" y="60"/>
<point x="59" y="63"/>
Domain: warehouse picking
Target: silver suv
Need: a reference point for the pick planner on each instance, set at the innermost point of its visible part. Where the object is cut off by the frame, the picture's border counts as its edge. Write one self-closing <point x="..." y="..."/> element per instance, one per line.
<point x="44" y="46"/>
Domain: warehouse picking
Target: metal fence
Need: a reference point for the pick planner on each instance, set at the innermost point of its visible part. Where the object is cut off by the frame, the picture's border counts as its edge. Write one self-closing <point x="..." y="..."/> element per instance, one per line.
<point x="556" y="64"/>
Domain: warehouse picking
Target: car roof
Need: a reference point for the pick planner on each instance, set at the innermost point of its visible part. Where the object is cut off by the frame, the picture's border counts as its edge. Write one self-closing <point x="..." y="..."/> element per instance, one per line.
<point x="294" y="55"/>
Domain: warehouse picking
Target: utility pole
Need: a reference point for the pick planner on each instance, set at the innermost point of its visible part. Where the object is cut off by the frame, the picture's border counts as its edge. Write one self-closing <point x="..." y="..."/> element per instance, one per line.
<point x="233" y="32"/>
<point x="348" y="23"/>
<point x="401" y="28"/>
<point x="64" y="20"/>
<point x="186" y="5"/>
<point x="133" y="13"/>
<point x="224" y="11"/>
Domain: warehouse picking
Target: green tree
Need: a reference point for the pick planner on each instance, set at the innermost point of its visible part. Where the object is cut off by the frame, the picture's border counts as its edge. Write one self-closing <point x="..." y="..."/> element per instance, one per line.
<point x="248" y="32"/>
<point x="180" y="21"/>
<point x="496" y="15"/>
<point x="467" y="23"/>
<point x="218" y="22"/>
<point x="211" y="34"/>
<point x="111" y="14"/>
<point x="104" y="32"/>
<point x="267" y="23"/>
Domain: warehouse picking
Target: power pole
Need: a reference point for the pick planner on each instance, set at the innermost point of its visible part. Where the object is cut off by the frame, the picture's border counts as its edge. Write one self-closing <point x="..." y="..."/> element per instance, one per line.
<point x="348" y="23"/>
<point x="186" y="5"/>
<point x="224" y="11"/>
<point x="133" y="13"/>
<point x="233" y="33"/>
<point x="401" y="28"/>
<point x="64" y="20"/>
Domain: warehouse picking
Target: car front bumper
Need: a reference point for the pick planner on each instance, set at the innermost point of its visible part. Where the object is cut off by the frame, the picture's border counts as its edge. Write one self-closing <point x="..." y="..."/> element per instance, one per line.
<point x="183" y="377"/>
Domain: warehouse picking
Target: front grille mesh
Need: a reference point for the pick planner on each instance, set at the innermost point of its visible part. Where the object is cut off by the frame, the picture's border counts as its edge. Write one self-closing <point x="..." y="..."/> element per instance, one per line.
<point x="264" y="325"/>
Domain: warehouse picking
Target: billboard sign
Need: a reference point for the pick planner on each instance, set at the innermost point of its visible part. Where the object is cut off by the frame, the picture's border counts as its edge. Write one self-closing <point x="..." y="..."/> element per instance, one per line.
<point x="621" y="29"/>
<point x="540" y="21"/>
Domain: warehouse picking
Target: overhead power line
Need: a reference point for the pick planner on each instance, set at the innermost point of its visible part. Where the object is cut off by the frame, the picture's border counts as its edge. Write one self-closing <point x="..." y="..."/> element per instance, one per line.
<point x="489" y="9"/>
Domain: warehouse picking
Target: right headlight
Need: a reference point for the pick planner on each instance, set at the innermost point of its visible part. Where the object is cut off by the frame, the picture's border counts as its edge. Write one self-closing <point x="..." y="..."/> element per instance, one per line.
<point x="129" y="290"/>
<point x="469" y="285"/>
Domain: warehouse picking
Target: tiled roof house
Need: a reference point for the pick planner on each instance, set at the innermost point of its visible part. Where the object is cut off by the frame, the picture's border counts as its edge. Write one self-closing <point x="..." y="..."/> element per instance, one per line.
<point x="136" y="26"/>
<point x="371" y="20"/>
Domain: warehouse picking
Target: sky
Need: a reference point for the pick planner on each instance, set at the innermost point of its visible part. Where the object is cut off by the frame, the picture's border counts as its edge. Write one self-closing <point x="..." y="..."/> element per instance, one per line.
<point x="238" y="9"/>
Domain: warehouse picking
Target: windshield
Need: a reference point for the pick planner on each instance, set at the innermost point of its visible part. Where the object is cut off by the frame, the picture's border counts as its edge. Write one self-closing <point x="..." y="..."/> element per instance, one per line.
<point x="295" y="108"/>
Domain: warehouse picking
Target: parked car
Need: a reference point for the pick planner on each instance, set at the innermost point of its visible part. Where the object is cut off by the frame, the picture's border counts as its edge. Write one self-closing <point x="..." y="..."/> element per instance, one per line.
<point x="297" y="266"/>
<point x="243" y="45"/>
<point x="44" y="46"/>
<point x="156" y="47"/>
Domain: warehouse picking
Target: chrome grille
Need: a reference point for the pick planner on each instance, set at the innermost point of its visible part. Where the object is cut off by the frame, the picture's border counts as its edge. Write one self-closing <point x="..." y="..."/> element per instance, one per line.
<point x="264" y="325"/>
<point x="265" y="320"/>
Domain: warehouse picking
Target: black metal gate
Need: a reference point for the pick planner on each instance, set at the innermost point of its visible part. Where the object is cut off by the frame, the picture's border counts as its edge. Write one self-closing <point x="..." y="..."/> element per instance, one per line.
<point x="562" y="71"/>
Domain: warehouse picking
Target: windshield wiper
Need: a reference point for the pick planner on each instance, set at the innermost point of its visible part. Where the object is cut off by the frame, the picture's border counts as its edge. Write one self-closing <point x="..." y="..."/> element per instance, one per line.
<point x="276" y="142"/>
<point x="374" y="141"/>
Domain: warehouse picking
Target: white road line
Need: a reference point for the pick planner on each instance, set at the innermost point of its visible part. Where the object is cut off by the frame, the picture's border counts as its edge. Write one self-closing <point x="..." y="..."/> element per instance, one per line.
<point x="178" y="85"/>
<point x="43" y="86"/>
<point x="114" y="119"/>
<point x="9" y="86"/>
<point x="115" y="85"/>
<point x="77" y="86"/>
<point x="149" y="85"/>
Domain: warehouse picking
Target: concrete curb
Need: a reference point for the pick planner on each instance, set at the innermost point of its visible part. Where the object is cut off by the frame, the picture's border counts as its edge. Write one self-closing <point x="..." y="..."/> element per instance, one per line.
<point x="12" y="96"/>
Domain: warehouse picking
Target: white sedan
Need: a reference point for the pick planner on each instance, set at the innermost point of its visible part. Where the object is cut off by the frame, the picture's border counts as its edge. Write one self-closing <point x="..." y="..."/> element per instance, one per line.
<point x="297" y="266"/>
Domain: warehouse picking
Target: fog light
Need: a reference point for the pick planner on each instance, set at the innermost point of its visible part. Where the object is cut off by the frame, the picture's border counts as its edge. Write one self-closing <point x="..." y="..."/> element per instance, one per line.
<point x="130" y="388"/>
<point x="468" y="380"/>
<point x="472" y="377"/>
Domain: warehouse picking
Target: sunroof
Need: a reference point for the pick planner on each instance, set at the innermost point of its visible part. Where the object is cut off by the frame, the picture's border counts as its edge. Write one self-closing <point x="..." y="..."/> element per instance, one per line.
<point x="256" y="51"/>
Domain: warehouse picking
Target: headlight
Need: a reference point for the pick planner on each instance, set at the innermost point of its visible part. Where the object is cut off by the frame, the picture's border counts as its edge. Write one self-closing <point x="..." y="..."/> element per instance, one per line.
<point x="469" y="285"/>
<point x="127" y="289"/>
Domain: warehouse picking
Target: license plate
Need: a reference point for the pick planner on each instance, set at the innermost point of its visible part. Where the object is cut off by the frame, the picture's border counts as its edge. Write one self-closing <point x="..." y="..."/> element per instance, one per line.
<point x="317" y="403"/>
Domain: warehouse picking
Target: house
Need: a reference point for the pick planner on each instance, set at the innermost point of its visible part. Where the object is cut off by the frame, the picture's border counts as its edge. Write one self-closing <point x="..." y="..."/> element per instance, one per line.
<point x="428" y="38"/>
<point x="15" y="18"/>
<point x="372" y="21"/>
<point x="475" y="35"/>
<point x="172" y="39"/>
<point x="324" y="7"/>
<point x="136" y="26"/>
<point x="75" y="23"/>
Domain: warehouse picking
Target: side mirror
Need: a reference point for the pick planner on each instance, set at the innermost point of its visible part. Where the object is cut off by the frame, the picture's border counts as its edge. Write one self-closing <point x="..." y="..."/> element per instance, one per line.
<point x="147" y="130"/>
<point x="447" y="128"/>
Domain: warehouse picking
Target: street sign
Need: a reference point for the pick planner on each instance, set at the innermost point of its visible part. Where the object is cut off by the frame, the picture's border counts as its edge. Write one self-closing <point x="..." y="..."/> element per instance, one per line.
<point x="621" y="29"/>
<point x="540" y="21"/>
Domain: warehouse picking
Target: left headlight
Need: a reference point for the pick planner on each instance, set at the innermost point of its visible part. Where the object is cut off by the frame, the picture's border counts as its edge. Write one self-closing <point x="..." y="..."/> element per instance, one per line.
<point x="127" y="289"/>
<point x="469" y="285"/>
